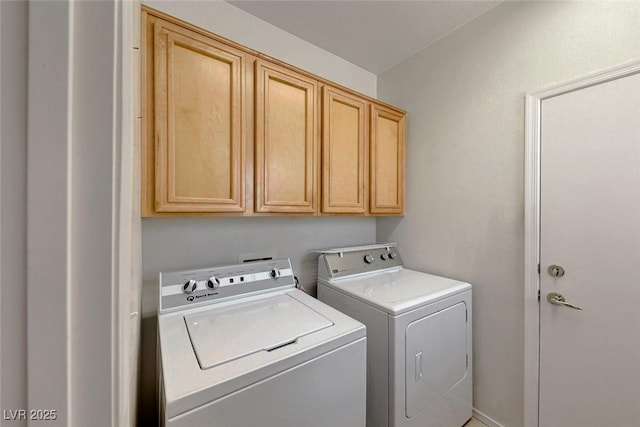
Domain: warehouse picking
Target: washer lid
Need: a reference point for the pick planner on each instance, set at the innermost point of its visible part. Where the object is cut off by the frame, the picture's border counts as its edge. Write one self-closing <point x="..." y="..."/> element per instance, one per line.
<point x="400" y="290"/>
<point x="224" y="334"/>
<point x="187" y="386"/>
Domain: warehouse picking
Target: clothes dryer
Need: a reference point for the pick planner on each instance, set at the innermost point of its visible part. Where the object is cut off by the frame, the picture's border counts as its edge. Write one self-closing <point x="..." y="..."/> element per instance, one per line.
<point x="419" y="346"/>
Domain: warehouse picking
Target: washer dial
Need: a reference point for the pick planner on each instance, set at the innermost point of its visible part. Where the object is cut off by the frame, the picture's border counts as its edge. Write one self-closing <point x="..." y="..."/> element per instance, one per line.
<point x="213" y="283"/>
<point x="190" y="286"/>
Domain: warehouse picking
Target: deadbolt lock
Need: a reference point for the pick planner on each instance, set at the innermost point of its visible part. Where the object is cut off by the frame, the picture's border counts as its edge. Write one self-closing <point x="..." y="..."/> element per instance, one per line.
<point x="556" y="271"/>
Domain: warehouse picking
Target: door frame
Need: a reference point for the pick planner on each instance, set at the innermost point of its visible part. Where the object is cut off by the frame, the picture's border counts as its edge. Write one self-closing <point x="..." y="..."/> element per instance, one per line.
<point x="533" y="103"/>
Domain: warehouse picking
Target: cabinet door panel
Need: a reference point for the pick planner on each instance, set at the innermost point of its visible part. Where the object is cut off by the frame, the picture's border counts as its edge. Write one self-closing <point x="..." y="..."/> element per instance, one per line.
<point x="344" y="153"/>
<point x="199" y="122"/>
<point x="387" y="161"/>
<point x="286" y="134"/>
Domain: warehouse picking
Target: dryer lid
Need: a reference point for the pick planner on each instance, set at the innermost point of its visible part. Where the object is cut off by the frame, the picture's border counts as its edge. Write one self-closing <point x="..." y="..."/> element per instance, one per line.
<point x="227" y="333"/>
<point x="398" y="291"/>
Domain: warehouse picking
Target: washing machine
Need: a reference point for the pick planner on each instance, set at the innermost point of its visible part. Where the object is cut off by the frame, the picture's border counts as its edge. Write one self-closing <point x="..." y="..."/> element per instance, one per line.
<point x="241" y="346"/>
<point x="419" y="353"/>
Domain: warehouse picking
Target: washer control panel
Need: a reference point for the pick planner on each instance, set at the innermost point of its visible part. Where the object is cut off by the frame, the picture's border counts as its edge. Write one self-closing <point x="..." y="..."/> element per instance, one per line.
<point x="334" y="263"/>
<point x="215" y="284"/>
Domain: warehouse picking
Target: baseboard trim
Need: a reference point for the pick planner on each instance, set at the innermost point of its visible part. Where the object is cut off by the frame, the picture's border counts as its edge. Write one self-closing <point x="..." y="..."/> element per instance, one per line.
<point x="490" y="422"/>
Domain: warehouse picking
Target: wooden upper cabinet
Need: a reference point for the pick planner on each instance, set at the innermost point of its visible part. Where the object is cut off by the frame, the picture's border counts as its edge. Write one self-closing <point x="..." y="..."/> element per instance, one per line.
<point x="198" y="86"/>
<point x="387" y="161"/>
<point x="204" y="98"/>
<point x="344" y="152"/>
<point x="286" y="159"/>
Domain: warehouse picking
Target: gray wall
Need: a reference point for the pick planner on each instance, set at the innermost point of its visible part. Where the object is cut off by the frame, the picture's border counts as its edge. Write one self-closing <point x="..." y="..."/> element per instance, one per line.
<point x="182" y="243"/>
<point x="465" y="168"/>
<point x="237" y="25"/>
<point x="72" y="224"/>
<point x="13" y="205"/>
<point x="94" y="212"/>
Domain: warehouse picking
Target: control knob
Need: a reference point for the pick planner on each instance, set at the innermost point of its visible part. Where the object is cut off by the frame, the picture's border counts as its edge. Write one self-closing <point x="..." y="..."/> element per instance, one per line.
<point x="190" y="286"/>
<point x="213" y="283"/>
<point x="392" y="255"/>
<point x="275" y="273"/>
<point x="368" y="259"/>
<point x="384" y="257"/>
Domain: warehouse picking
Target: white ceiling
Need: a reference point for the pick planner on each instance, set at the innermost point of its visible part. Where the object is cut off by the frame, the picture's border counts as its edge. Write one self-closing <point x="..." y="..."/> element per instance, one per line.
<point x="375" y="35"/>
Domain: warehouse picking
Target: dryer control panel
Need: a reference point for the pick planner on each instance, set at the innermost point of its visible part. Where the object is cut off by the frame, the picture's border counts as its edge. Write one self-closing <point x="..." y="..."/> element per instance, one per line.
<point x="340" y="262"/>
<point x="216" y="284"/>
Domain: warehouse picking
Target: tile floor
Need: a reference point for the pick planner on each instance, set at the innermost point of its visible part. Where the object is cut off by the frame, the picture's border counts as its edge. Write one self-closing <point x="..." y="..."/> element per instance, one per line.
<point x="474" y="423"/>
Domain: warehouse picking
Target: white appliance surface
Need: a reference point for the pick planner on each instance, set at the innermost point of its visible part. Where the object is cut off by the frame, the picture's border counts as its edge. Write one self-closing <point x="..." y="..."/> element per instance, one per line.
<point x="254" y="326"/>
<point x="438" y="339"/>
<point x="419" y="335"/>
<point x="243" y="360"/>
<point x="398" y="290"/>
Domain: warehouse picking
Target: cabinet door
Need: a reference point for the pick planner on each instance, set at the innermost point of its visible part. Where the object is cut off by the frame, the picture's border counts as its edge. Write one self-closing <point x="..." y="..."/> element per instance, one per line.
<point x="387" y="161"/>
<point x="344" y="152"/>
<point x="286" y="140"/>
<point x="199" y="123"/>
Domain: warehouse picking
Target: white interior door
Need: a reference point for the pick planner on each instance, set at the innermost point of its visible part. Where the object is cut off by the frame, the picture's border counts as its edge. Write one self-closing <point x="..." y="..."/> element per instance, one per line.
<point x="590" y="226"/>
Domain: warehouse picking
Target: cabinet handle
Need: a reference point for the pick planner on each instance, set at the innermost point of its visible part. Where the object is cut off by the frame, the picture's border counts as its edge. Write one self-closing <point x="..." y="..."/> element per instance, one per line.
<point x="418" y="367"/>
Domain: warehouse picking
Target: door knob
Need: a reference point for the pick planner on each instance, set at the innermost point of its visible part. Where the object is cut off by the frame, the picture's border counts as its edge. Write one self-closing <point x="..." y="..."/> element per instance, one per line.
<point x="557" y="299"/>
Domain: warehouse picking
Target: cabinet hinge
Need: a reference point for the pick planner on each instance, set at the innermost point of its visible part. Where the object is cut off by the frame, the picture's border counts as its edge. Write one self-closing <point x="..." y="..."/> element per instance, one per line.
<point x="467" y="360"/>
<point x="538" y="294"/>
<point x="538" y="268"/>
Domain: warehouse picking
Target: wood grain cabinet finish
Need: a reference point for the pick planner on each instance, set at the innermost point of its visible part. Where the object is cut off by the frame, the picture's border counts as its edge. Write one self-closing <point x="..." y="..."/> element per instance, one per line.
<point x="387" y="161"/>
<point x="286" y="159"/>
<point x="204" y="98"/>
<point x="198" y="87"/>
<point x="344" y="152"/>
